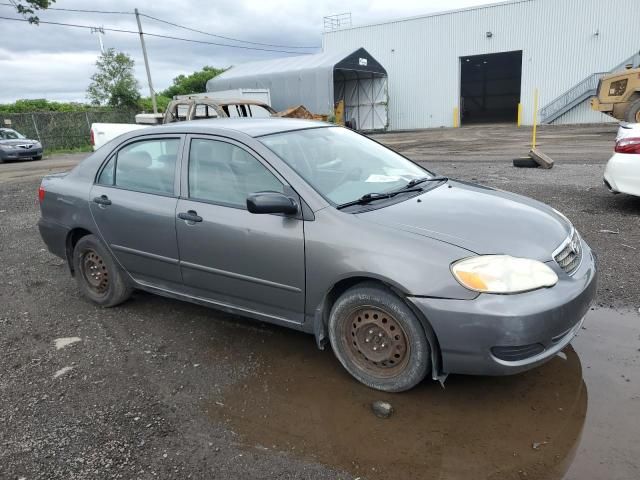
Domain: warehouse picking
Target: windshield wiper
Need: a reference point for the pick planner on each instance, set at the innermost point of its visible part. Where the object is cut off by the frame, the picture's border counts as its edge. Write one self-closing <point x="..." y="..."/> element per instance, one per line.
<point x="418" y="181"/>
<point x="370" y="197"/>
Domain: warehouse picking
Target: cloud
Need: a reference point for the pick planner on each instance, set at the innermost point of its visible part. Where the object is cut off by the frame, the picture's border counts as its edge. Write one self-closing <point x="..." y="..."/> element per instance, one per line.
<point x="54" y="62"/>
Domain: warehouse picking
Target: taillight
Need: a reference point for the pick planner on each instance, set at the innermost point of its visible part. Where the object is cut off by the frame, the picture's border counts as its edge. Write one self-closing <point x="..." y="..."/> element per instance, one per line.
<point x="628" y="145"/>
<point x="41" y="193"/>
<point x="92" y="140"/>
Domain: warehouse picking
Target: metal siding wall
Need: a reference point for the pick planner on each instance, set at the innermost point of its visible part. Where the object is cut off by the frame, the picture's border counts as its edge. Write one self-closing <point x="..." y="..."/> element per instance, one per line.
<point x="421" y="55"/>
<point x="583" y="114"/>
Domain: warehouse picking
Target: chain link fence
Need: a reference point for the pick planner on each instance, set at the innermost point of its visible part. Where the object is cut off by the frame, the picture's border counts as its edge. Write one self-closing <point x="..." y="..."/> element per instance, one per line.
<point x="63" y="130"/>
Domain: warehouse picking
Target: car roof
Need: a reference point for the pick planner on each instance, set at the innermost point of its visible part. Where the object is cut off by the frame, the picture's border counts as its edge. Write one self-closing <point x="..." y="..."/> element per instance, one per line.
<point x="254" y="127"/>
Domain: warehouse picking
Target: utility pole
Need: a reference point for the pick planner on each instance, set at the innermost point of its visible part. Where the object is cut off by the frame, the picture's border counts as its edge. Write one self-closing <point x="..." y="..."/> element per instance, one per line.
<point x="146" y="64"/>
<point x="100" y="32"/>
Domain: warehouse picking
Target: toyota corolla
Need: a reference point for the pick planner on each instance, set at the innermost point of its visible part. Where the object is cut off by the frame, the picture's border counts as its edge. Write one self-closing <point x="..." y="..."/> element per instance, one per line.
<point x="407" y="274"/>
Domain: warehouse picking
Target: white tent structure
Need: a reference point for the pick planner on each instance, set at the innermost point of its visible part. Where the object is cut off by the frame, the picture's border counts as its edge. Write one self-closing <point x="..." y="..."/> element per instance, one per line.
<point x="318" y="82"/>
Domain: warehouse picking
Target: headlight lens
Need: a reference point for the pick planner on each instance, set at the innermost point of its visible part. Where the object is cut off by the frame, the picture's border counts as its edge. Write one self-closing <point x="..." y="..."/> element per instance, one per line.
<point x="503" y="274"/>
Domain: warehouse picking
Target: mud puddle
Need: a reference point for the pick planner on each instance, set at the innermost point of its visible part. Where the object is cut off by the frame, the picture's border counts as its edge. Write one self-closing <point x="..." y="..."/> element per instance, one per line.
<point x="575" y="417"/>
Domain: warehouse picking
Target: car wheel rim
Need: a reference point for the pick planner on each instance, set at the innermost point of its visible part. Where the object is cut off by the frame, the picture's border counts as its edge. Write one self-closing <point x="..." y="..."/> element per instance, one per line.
<point x="377" y="343"/>
<point x="638" y="116"/>
<point x="95" y="272"/>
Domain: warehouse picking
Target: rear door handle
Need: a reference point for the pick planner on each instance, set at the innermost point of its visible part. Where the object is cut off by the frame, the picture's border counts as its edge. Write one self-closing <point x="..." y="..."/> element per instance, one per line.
<point x="102" y="200"/>
<point x="190" y="216"/>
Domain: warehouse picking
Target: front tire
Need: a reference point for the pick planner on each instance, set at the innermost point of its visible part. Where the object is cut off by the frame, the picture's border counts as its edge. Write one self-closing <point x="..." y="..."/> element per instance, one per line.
<point x="99" y="278"/>
<point x="632" y="113"/>
<point x="378" y="339"/>
<point x="38" y="157"/>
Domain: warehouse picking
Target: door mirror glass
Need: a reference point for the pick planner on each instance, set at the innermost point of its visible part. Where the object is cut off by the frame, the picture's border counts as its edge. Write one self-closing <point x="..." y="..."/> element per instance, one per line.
<point x="271" y="202"/>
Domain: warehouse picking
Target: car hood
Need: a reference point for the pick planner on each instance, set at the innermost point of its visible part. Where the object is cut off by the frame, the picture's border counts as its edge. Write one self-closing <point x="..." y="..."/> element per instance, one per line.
<point x="480" y="219"/>
<point x="17" y="141"/>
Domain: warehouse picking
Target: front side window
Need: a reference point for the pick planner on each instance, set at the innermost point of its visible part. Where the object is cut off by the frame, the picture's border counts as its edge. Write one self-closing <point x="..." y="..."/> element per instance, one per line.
<point x="147" y="166"/>
<point x="342" y="165"/>
<point x="221" y="172"/>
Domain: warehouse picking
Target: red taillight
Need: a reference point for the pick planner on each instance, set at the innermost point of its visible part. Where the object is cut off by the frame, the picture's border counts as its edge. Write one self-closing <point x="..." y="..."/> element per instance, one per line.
<point x="93" y="140"/>
<point x="41" y="193"/>
<point x="628" y="145"/>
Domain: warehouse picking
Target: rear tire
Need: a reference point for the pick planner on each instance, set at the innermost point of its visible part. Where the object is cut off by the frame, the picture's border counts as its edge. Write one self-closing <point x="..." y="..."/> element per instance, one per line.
<point x="378" y="339"/>
<point x="632" y="113"/>
<point x="527" y="162"/>
<point x="99" y="278"/>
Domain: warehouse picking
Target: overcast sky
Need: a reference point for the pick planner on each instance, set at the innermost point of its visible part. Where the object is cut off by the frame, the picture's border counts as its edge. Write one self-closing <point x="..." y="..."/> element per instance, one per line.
<point x="55" y="62"/>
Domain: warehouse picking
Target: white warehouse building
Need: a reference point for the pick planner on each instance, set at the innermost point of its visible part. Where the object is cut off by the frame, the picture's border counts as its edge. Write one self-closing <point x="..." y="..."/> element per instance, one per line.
<point x="478" y="64"/>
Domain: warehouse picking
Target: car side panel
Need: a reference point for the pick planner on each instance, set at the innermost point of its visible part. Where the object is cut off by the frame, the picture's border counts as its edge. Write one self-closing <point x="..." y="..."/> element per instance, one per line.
<point x="339" y="246"/>
<point x="64" y="208"/>
<point x="139" y="229"/>
<point x="234" y="257"/>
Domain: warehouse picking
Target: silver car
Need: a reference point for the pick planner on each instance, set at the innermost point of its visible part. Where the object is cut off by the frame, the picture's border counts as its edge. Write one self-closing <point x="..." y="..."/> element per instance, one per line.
<point x="15" y="146"/>
<point x="317" y="228"/>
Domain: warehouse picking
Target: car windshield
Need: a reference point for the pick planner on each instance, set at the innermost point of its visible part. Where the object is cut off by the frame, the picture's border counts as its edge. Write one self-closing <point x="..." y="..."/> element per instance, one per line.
<point x="9" y="134"/>
<point x="342" y="165"/>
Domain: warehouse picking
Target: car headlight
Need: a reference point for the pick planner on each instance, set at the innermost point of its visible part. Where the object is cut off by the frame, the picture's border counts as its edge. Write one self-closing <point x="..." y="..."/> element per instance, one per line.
<point x="6" y="147"/>
<point x="503" y="274"/>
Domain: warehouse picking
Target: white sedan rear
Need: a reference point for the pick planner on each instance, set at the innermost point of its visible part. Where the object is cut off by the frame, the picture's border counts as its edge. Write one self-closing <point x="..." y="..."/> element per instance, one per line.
<point x="622" y="174"/>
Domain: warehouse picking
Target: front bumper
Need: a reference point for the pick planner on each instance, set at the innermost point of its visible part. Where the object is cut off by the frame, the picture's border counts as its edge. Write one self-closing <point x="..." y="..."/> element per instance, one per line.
<point x="20" y="153"/>
<point x="470" y="331"/>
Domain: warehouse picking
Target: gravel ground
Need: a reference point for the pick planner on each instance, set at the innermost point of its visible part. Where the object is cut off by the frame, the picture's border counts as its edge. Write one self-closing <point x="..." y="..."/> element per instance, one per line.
<point x="163" y="389"/>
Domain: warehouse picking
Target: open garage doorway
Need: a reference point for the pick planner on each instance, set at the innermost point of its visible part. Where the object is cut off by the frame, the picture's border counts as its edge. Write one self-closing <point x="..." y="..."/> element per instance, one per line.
<point x="490" y="88"/>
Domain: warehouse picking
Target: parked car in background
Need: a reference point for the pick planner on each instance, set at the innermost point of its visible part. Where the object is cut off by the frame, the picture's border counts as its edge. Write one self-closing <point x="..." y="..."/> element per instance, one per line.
<point x="318" y="228"/>
<point x="622" y="174"/>
<point x="182" y="110"/>
<point x="15" y="146"/>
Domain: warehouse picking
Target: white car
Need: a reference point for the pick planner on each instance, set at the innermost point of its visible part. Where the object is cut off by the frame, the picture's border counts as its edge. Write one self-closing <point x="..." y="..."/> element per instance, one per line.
<point x="622" y="174"/>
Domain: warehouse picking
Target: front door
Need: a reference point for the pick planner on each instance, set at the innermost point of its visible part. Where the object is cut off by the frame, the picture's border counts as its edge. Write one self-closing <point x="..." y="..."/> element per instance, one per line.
<point x="254" y="263"/>
<point x="133" y="203"/>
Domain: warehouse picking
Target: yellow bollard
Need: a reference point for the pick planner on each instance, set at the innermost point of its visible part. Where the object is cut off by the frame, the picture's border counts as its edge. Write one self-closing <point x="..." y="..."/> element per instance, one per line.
<point x="519" y="115"/>
<point x="456" y="117"/>
<point x="535" y="119"/>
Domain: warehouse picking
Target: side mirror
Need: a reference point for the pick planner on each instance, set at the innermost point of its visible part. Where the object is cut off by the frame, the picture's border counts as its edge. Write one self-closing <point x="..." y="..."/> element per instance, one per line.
<point x="271" y="202"/>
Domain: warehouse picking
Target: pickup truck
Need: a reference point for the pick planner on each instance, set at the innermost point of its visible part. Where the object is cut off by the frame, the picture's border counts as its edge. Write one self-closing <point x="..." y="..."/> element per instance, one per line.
<point x="190" y="108"/>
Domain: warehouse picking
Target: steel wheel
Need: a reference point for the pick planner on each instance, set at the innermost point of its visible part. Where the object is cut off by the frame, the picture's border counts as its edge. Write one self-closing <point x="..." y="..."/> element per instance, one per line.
<point x="95" y="272"/>
<point x="377" y="343"/>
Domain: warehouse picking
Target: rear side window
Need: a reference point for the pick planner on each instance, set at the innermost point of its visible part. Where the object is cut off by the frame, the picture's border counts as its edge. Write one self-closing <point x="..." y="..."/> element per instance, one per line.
<point x="107" y="175"/>
<point x="147" y="166"/>
<point x="221" y="172"/>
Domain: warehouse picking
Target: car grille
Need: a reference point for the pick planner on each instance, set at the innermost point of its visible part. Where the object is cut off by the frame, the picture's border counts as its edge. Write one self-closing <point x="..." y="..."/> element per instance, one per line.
<point x="570" y="255"/>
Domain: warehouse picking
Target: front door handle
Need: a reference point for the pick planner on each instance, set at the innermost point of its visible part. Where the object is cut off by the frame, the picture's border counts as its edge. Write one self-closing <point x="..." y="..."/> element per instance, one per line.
<point x="102" y="200"/>
<point x="190" y="216"/>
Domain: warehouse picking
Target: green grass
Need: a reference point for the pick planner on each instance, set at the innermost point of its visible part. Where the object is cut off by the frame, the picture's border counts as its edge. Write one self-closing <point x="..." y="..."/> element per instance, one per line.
<point x="57" y="151"/>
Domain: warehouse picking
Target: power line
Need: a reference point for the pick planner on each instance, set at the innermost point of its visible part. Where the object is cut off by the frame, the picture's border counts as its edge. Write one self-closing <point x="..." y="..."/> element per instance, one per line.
<point x="173" y="25"/>
<point x="76" y="10"/>
<point x="157" y="35"/>
<point x="220" y="36"/>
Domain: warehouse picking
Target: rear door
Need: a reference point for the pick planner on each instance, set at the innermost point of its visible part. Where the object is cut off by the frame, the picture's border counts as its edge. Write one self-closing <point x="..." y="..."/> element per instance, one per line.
<point x="232" y="257"/>
<point x="133" y="203"/>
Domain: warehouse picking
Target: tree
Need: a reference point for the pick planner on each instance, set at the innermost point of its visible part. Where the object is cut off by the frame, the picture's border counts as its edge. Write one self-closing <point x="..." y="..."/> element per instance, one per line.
<point x="28" y="8"/>
<point x="114" y="84"/>
<point x="194" y="83"/>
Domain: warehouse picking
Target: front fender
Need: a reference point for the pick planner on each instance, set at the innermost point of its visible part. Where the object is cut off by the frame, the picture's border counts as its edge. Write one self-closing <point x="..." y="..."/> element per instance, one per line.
<point x="340" y="246"/>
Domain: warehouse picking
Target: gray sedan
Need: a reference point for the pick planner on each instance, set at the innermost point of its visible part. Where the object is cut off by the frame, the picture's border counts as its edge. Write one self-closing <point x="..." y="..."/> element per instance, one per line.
<point x="314" y="227"/>
<point x="15" y="146"/>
